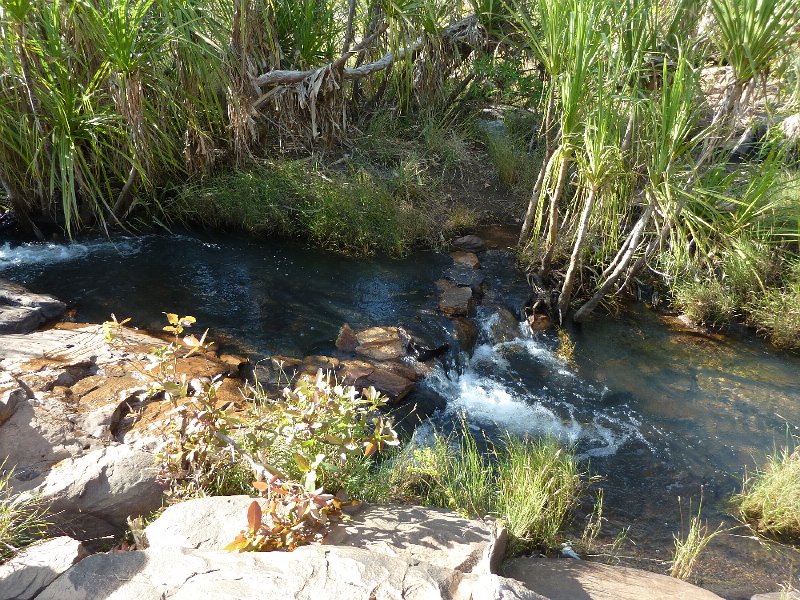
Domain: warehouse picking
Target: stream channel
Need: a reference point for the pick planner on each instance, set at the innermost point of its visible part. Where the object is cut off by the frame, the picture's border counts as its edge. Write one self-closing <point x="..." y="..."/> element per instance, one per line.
<point x="656" y="409"/>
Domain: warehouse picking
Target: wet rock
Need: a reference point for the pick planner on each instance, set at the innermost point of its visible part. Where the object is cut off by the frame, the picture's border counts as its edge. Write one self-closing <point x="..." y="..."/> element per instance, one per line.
<point x="465" y="259"/>
<point x="22" y="311"/>
<point x="565" y="579"/>
<point x="399" y="369"/>
<point x="382" y="343"/>
<point x="394" y="387"/>
<point x="353" y="370"/>
<point x="338" y="573"/>
<point x="314" y="363"/>
<point x="456" y="301"/>
<point x="539" y="322"/>
<point x="425" y="353"/>
<point x="472" y="279"/>
<point x="346" y="341"/>
<point x="467" y="334"/>
<point x="468" y="243"/>
<point x="36" y="567"/>
<point x="504" y="326"/>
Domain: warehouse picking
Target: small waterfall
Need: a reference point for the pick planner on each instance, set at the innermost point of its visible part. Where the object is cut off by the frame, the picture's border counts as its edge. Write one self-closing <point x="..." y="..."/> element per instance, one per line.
<point x="522" y="386"/>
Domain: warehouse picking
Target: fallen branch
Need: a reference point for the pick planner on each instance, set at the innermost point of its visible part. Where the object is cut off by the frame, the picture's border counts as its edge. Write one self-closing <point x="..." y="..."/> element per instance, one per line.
<point x="276" y="77"/>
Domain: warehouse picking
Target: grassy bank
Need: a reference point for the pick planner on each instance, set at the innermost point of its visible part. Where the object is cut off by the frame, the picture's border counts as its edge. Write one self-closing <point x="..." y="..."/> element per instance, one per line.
<point x="532" y="486"/>
<point x="770" y="497"/>
<point x="352" y="213"/>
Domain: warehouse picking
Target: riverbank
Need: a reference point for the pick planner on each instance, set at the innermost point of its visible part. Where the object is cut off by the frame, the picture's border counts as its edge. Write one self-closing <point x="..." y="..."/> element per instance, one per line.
<point x="659" y="412"/>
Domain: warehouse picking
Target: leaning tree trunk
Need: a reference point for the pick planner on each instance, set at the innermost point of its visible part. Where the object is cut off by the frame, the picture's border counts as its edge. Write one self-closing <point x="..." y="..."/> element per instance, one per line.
<point x="577" y="251"/>
<point x="537" y="189"/>
<point x="552" y="221"/>
<point x="585" y="310"/>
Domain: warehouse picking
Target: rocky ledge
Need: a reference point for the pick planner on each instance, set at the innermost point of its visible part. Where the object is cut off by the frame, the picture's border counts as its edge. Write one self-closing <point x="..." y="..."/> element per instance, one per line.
<point x="381" y="552"/>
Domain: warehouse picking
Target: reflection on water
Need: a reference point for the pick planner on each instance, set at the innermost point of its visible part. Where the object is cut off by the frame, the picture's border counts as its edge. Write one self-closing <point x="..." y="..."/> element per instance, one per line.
<point x="658" y="411"/>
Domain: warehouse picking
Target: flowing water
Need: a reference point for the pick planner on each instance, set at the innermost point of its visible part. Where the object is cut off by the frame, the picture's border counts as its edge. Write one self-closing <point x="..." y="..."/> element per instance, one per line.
<point x="658" y="411"/>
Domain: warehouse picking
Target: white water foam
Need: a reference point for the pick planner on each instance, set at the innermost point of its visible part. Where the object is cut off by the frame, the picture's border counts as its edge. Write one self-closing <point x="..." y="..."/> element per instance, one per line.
<point x="489" y="392"/>
<point x="35" y="254"/>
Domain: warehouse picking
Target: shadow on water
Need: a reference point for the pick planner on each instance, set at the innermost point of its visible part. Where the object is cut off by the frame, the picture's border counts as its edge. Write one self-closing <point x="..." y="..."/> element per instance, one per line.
<point x="658" y="411"/>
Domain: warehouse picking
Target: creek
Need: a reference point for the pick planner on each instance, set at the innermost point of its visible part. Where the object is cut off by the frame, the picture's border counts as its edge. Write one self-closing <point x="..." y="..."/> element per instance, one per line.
<point x="657" y="410"/>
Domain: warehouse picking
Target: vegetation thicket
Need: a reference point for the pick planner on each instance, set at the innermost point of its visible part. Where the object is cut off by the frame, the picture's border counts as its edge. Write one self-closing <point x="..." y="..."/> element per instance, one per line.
<point x="640" y="163"/>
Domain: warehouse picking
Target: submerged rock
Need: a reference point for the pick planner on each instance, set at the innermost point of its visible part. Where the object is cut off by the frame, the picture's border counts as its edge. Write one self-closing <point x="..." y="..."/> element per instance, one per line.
<point x="465" y="259"/>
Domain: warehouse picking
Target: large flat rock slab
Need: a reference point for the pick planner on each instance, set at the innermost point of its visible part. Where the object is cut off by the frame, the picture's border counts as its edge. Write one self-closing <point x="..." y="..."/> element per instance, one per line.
<point x="439" y="537"/>
<point x="567" y="579"/>
<point x="36" y="567"/>
<point x="310" y="572"/>
<point x="22" y="311"/>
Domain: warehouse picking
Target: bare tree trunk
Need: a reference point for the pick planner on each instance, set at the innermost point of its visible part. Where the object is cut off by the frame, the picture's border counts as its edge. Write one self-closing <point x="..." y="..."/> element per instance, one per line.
<point x="577" y="250"/>
<point x="552" y="223"/>
<point x="537" y="188"/>
<point x="125" y="198"/>
<point x="585" y="310"/>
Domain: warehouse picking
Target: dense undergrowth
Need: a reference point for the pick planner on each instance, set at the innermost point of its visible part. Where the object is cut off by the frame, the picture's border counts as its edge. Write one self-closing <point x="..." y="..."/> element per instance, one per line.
<point x="352" y="125"/>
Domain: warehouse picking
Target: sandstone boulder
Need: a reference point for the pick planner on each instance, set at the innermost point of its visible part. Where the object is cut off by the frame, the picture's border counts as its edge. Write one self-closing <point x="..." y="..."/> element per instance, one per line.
<point x="36" y="567"/>
<point x="310" y="572"/>
<point x="22" y="311"/>
<point x="93" y="494"/>
<point x="439" y="537"/>
<point x="382" y="343"/>
<point x="465" y="259"/>
<point x="567" y="579"/>
<point x="346" y="341"/>
<point x="468" y="243"/>
<point x="456" y="301"/>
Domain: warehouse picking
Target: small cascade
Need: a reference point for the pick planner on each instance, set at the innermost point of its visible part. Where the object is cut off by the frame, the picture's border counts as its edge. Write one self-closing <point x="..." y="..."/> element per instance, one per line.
<point x="523" y="386"/>
<point x="36" y="254"/>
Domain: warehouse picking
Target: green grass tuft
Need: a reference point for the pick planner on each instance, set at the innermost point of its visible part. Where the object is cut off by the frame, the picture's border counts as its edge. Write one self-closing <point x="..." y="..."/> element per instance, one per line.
<point x="532" y="486"/>
<point x="22" y="521"/>
<point x="770" y="497"/>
